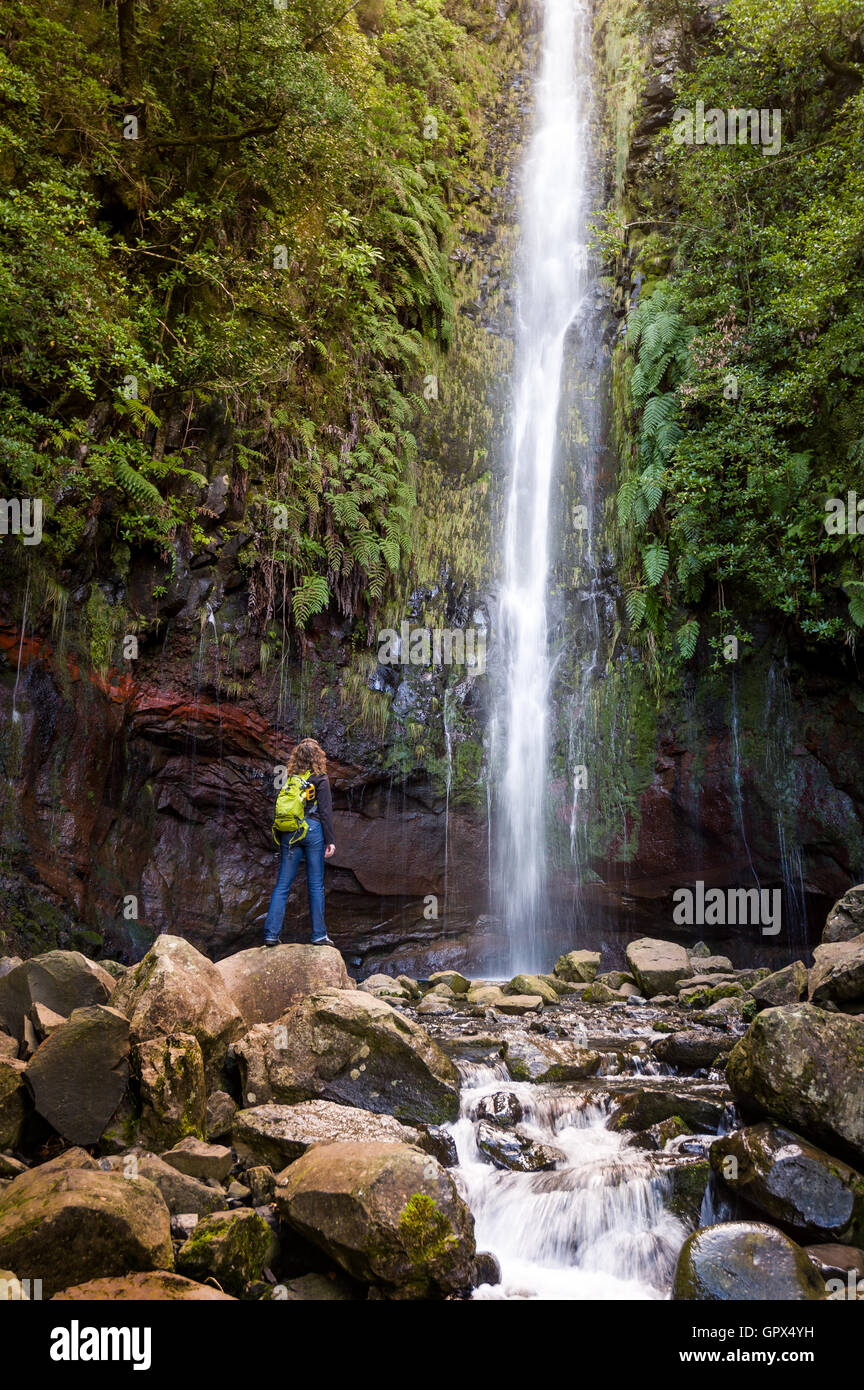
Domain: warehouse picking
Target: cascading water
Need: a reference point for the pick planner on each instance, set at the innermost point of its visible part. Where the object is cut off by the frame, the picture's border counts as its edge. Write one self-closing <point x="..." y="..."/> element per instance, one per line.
<point x="553" y="281"/>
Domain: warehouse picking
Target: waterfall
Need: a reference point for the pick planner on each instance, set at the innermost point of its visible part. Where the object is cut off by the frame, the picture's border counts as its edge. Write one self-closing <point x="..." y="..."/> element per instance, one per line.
<point x="552" y="286"/>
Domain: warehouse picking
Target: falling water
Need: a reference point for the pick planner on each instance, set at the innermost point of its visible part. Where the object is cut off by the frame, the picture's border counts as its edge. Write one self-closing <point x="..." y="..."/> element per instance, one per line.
<point x="552" y="282"/>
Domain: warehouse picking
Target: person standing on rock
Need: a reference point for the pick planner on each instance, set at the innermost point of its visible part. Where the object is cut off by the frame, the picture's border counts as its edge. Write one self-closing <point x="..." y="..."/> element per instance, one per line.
<point x="315" y="844"/>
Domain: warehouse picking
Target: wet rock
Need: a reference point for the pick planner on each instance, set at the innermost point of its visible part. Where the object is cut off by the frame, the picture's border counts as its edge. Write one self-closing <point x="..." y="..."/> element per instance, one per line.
<point x="692" y="1049"/>
<point x="319" y="1288"/>
<point x="793" y="1182"/>
<point x="519" y="1004"/>
<point x="279" y="1134"/>
<point x="837" y="1261"/>
<point x="200" y="1160"/>
<point x="657" y="965"/>
<point x="15" y="1102"/>
<point x="688" y="1182"/>
<point x="745" y="1260"/>
<point x="516" y="1152"/>
<point x="80" y="1073"/>
<point x="487" y="1270"/>
<point x="547" y="1060"/>
<point x="66" y="1226"/>
<point x="439" y="1142"/>
<point x="804" y="1067"/>
<point x="531" y="985"/>
<point x="641" y="1109"/>
<point x="183" y="1195"/>
<point x="501" y="1108"/>
<point x="846" y="918"/>
<point x="352" y="1048"/>
<point x="786" y="986"/>
<point x="578" y="967"/>
<point x="265" y="981"/>
<point x="658" y="1136"/>
<point x="219" y="1115"/>
<point x="169" y="1073"/>
<point x="232" y="1247"/>
<point x="388" y="1214"/>
<point x="61" y="980"/>
<point x="175" y="989"/>
<point x="837" y="975"/>
<point x="452" y="979"/>
<point x="156" y="1285"/>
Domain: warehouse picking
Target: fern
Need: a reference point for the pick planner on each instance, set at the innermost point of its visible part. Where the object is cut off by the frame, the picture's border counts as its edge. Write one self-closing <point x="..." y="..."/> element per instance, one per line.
<point x="856" y="601"/>
<point x="656" y="561"/>
<point x="140" y="489"/>
<point x="309" y="598"/>
<point x="687" y="637"/>
<point x="636" y="606"/>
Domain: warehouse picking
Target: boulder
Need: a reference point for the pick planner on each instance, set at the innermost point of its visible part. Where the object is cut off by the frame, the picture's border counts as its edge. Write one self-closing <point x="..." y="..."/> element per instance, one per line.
<point x="804" y="1067"/>
<point x="169" y="1075"/>
<point x="230" y="1246"/>
<point x="14" y="1101"/>
<point x="434" y="1004"/>
<point x="501" y="1107"/>
<point x="319" y="1288"/>
<point x="785" y="986"/>
<point x="153" y="1286"/>
<point x="520" y="1004"/>
<point x="846" y="918"/>
<point x="61" y="980"/>
<point x="44" y="1020"/>
<point x="642" y="1109"/>
<point x="261" y="1181"/>
<point x="181" y="1193"/>
<point x="815" y="1196"/>
<point x="544" y="1059"/>
<point x="837" y="1261"/>
<point x="387" y="1213"/>
<point x="486" y="996"/>
<point x="80" y="1073"/>
<point x="8" y="1046"/>
<point x="701" y="994"/>
<point x="837" y="976"/>
<point x="349" y="1047"/>
<point x="692" y="1049"/>
<point x="8" y="963"/>
<point x="219" y="1115"/>
<point x="385" y="987"/>
<point x="710" y="965"/>
<point x="514" y="1151"/>
<point x="278" y="1134"/>
<point x="209" y="1162"/>
<point x="68" y="1225"/>
<point x="411" y="987"/>
<point x="532" y="984"/>
<point x="747" y="1261"/>
<point x="175" y="989"/>
<point x="658" y="965"/>
<point x="11" y="1167"/>
<point x="578" y="967"/>
<point x="452" y="979"/>
<point x="265" y="981"/>
<point x="599" y="993"/>
<point x="656" y="1137"/>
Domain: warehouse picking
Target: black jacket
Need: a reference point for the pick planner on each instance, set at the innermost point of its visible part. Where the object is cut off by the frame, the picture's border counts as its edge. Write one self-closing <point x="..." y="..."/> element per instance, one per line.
<point x="323" y="805"/>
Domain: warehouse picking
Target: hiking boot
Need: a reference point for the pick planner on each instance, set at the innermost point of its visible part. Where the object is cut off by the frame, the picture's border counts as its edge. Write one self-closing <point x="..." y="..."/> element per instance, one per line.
<point x="273" y="943"/>
<point x="323" y="941"/>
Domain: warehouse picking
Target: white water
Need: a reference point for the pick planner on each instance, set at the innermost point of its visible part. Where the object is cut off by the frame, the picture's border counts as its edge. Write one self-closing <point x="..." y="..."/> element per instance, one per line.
<point x="552" y="284"/>
<point x="594" y="1227"/>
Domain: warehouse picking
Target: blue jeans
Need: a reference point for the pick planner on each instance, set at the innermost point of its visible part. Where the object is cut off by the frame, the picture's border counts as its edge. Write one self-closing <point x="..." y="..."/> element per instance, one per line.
<point x="312" y="849"/>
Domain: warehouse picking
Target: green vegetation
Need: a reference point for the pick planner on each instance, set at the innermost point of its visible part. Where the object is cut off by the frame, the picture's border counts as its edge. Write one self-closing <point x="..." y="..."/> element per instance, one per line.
<point x="746" y="350"/>
<point x="224" y="248"/>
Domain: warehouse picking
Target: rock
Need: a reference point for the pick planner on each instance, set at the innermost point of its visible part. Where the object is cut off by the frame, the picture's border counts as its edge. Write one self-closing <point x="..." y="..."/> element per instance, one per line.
<point x="516" y="1152"/>
<point x="200" y="1160"/>
<point x="487" y="1270"/>
<point x="564" y="988"/>
<point x="441" y="991"/>
<point x="439" y="1142"/>
<point x="698" y="994"/>
<point x="350" y="1047"/>
<point x="279" y="1134"/>
<point x="642" y="1109"/>
<point x="692" y="1049"/>
<point x="61" y="980"/>
<point x="266" y="981"/>
<point x="318" y="1288"/>
<point x="452" y="979"/>
<point x="11" y="1167"/>
<point x="44" y="1020"/>
<point x="531" y="985"/>
<point x="8" y="963"/>
<point x="238" y="1192"/>
<point x="169" y="1074"/>
<point x="411" y="987"/>
<point x="615" y="979"/>
<point x="688" y="1182"/>
<point x="175" y="989"/>
<point x="745" y="1260"/>
<point x="68" y="1225"/>
<point x="657" y="965"/>
<point x="388" y="1214"/>
<point x="384" y="986"/>
<point x="113" y="968"/>
<point x="711" y="965"/>
<point x="8" y="1046"/>
<point x="542" y="1060"/>
<point x="836" y="1261"/>
<point x="261" y="1181"/>
<point x="846" y="918"/>
<point x="519" y="1004"/>
<point x="501" y="1107"/>
<point x="14" y="1102"/>
<point x="726" y="1009"/>
<point x="837" y="975"/>
<point x="578" y="967"/>
<point x="182" y="1194"/>
<point x="785" y="986"/>
<point x="794" y="1183"/>
<point x="80" y="1073"/>
<point x="804" y="1067"/>
<point x="219" y="1115"/>
<point x="656" y="1137"/>
<point x="434" y="1004"/>
<point x="69" y="1158"/>
<point x="154" y="1286"/>
<point x="232" y="1247"/>
<point x="487" y="996"/>
<point x="598" y="993"/>
<point x="699" y="951"/>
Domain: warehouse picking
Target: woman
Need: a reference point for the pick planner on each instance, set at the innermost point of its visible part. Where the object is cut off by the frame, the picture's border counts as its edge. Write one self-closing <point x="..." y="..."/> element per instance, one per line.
<point x="316" y="846"/>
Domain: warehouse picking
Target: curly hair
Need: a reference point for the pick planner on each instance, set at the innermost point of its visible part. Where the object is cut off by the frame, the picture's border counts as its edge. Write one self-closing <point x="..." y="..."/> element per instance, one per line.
<point x="307" y="756"/>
